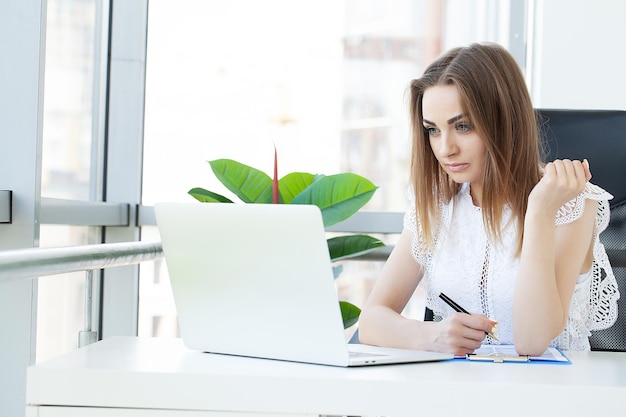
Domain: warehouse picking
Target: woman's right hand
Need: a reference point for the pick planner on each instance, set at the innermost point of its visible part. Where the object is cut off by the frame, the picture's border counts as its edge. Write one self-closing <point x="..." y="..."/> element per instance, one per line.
<point x="461" y="333"/>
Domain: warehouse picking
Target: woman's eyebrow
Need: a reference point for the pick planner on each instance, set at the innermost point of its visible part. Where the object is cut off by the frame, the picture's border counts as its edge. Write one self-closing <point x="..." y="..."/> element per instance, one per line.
<point x="449" y="121"/>
<point x="455" y="118"/>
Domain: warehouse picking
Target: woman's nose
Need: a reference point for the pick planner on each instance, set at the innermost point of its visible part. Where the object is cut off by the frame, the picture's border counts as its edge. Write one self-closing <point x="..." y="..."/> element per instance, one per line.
<point x="447" y="145"/>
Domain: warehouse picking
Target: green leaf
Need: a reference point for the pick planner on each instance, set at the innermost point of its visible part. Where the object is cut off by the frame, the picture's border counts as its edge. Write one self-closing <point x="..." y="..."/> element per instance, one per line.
<point x="338" y="196"/>
<point x="247" y="183"/>
<point x="206" y="196"/>
<point x="349" y="313"/>
<point x="293" y="184"/>
<point x="342" y="247"/>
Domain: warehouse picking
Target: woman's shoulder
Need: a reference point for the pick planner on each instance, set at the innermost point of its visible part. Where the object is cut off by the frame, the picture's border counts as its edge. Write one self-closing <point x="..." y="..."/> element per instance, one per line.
<point x="573" y="209"/>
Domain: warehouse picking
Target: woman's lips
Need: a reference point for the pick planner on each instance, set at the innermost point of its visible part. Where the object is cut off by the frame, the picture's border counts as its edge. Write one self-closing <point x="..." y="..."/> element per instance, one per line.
<point x="457" y="167"/>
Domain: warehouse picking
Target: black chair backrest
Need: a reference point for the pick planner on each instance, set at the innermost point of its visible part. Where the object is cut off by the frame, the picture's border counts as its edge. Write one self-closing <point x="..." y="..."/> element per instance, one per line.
<point x="600" y="137"/>
<point x="597" y="135"/>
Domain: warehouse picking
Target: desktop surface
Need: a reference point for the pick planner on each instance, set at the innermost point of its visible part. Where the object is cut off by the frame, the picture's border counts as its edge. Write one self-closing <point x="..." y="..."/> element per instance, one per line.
<point x="158" y="373"/>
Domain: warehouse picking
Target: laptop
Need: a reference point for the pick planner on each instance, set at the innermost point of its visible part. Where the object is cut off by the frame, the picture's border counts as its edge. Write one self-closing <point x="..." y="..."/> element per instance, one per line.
<point x="256" y="280"/>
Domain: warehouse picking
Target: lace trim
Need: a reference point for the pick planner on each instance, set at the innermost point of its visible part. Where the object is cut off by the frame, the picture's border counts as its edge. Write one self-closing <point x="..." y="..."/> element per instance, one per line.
<point x="419" y="249"/>
<point x="573" y="209"/>
<point x="604" y="292"/>
<point x="484" y="288"/>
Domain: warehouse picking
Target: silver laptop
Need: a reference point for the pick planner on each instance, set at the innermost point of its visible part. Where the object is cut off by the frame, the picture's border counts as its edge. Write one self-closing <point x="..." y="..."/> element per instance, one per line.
<point x="256" y="280"/>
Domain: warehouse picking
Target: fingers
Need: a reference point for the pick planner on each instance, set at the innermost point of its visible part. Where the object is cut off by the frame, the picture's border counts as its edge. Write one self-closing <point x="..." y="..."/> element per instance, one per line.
<point x="463" y="333"/>
<point x="493" y="332"/>
<point x="574" y="169"/>
<point x="562" y="181"/>
<point x="567" y="177"/>
<point x="587" y="170"/>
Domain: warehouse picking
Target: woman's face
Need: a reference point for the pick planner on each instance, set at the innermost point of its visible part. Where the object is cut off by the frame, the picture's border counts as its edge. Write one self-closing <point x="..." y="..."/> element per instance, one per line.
<point x="453" y="140"/>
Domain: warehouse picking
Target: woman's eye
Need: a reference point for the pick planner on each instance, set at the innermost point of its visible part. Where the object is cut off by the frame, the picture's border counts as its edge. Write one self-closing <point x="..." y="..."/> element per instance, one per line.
<point x="431" y="130"/>
<point x="463" y="127"/>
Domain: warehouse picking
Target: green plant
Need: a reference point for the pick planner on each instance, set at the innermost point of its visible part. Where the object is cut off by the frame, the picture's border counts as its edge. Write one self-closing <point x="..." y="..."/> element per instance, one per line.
<point x="338" y="197"/>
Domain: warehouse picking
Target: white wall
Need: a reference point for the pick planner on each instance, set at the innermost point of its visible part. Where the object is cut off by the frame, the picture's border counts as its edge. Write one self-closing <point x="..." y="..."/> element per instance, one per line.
<point x="578" y="58"/>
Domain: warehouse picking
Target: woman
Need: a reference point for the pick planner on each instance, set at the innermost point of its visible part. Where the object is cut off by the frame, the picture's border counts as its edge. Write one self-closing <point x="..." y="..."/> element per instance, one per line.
<point x="513" y="241"/>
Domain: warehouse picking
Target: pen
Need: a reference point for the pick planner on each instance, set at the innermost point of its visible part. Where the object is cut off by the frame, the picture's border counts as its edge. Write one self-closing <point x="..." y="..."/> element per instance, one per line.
<point x="449" y="301"/>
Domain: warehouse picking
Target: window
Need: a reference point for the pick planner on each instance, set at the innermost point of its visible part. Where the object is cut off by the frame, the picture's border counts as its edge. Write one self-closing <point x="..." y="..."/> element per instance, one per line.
<point x="323" y="81"/>
<point x="71" y="156"/>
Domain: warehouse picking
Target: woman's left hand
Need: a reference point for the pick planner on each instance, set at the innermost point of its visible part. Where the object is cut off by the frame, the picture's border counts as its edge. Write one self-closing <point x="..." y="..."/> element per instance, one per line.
<point x="563" y="180"/>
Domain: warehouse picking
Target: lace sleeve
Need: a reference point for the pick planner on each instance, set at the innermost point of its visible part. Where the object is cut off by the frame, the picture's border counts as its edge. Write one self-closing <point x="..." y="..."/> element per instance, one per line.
<point x="418" y="246"/>
<point x="573" y="209"/>
<point x="602" y="290"/>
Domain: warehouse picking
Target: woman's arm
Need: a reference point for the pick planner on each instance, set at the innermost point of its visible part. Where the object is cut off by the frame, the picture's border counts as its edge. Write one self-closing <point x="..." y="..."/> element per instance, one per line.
<point x="382" y="324"/>
<point x="552" y="257"/>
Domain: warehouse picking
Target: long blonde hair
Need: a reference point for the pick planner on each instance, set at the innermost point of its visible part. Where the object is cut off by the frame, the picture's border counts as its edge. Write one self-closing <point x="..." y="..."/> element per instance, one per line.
<point x="495" y="98"/>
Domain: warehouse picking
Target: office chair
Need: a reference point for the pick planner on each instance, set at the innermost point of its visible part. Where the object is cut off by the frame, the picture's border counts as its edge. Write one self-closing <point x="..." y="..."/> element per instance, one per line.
<point x="599" y="136"/>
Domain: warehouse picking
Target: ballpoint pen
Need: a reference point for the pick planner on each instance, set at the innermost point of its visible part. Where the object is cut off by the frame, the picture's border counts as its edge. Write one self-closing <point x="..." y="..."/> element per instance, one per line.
<point x="449" y="301"/>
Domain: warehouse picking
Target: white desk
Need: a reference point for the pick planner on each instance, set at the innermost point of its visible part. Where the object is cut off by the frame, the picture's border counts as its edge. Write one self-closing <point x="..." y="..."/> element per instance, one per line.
<point x="140" y="377"/>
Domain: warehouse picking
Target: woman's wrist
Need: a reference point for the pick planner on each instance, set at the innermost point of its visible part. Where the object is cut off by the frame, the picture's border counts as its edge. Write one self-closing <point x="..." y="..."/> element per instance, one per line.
<point x="541" y="218"/>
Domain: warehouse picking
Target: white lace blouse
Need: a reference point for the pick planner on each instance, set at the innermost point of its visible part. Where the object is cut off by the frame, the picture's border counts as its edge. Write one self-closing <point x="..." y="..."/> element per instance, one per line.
<point x="480" y="275"/>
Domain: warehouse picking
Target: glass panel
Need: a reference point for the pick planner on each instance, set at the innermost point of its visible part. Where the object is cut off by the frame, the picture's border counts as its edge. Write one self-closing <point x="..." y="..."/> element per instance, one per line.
<point x="71" y="120"/>
<point x="68" y="98"/>
<point x="61" y="298"/>
<point x="324" y="81"/>
<point x="157" y="310"/>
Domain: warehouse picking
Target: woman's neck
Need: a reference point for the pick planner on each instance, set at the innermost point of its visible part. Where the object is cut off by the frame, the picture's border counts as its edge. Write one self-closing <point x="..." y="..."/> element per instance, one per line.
<point x="476" y="192"/>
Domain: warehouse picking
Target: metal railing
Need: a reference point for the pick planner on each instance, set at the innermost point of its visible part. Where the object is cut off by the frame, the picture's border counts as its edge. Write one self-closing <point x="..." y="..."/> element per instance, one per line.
<point x="30" y="263"/>
<point x="21" y="264"/>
